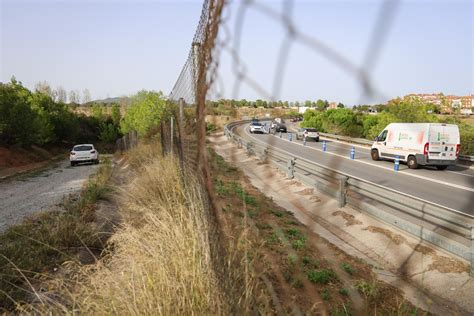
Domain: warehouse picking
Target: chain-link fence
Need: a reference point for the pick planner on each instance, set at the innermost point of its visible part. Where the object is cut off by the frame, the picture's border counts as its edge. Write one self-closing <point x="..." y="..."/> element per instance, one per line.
<point x="127" y="141"/>
<point x="219" y="35"/>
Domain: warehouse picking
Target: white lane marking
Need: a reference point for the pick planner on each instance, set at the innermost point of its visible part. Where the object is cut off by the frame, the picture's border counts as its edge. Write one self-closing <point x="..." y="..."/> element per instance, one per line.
<point x="460" y="173"/>
<point x="367" y="152"/>
<point x="332" y="140"/>
<point x="388" y="188"/>
<point x="382" y="167"/>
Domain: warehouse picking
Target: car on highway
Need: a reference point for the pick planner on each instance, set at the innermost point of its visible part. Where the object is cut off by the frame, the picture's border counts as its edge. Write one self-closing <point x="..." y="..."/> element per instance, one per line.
<point x="278" y="125"/>
<point x="83" y="153"/>
<point x="310" y="133"/>
<point x="256" y="127"/>
<point x="419" y="144"/>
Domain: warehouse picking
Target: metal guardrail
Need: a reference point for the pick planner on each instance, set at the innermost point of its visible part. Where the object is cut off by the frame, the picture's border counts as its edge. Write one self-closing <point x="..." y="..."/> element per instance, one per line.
<point x="446" y="228"/>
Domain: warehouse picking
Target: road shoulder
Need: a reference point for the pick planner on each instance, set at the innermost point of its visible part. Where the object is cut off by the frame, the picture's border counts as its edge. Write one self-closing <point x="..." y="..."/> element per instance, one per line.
<point x="430" y="278"/>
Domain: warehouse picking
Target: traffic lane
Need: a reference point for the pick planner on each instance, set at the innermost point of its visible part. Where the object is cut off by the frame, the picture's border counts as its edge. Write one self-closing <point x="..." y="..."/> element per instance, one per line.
<point x="428" y="172"/>
<point x="447" y="196"/>
<point x="454" y="174"/>
<point x="344" y="148"/>
<point x="364" y="150"/>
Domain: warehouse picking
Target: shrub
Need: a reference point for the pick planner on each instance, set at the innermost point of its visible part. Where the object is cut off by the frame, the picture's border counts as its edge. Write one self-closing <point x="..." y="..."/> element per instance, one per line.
<point x="323" y="276"/>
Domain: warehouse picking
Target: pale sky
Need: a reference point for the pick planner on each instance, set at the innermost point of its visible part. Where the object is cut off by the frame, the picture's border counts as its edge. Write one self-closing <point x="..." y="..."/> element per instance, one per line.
<point x="116" y="48"/>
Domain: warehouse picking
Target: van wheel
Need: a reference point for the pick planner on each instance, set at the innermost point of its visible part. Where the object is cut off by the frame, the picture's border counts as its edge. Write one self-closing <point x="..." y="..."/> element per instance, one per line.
<point x="441" y="167"/>
<point x="412" y="163"/>
<point x="375" y="154"/>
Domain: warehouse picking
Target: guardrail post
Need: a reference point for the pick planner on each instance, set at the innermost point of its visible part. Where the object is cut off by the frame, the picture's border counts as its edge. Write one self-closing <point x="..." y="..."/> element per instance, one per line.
<point x="342" y="191"/>
<point x="291" y="168"/>
<point x="472" y="251"/>
<point x="352" y="153"/>
<point x="264" y="154"/>
<point x="324" y="145"/>
<point x="249" y="148"/>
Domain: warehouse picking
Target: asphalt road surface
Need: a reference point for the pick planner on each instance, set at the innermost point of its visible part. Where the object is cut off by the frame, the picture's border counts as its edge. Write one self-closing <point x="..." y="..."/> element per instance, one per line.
<point x="27" y="195"/>
<point x="452" y="188"/>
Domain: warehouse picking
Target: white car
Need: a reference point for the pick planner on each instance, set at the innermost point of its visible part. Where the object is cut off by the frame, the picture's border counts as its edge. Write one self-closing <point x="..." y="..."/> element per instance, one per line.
<point x="426" y="144"/>
<point x="257" y="127"/>
<point x="83" y="153"/>
<point x="310" y="133"/>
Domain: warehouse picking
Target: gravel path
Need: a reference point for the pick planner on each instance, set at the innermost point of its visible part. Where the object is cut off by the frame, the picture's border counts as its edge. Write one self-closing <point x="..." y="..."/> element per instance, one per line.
<point x="27" y="195"/>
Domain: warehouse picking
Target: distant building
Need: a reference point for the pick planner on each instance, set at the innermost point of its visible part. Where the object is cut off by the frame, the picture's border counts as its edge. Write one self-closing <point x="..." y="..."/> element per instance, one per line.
<point x="332" y="106"/>
<point x="448" y="104"/>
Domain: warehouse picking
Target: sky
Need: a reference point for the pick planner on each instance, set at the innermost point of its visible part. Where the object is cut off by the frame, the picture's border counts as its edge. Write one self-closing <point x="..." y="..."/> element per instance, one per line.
<point x="115" y="48"/>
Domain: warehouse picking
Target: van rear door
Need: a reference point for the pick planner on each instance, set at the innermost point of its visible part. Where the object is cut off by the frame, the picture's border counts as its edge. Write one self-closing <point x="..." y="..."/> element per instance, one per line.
<point x="443" y="141"/>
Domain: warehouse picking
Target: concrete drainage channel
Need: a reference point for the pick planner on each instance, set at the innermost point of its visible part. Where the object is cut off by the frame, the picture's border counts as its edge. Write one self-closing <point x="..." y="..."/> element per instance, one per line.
<point x="443" y="227"/>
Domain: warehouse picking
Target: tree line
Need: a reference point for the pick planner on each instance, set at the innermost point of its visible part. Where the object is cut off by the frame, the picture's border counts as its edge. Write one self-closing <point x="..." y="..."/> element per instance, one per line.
<point x="37" y="118"/>
<point x="359" y="124"/>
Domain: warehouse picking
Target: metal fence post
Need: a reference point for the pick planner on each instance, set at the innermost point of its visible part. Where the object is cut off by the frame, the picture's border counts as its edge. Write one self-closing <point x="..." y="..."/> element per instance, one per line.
<point x="342" y="191"/>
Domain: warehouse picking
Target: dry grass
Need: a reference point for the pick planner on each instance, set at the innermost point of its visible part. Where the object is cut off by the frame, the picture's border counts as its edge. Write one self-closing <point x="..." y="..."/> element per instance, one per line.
<point x="159" y="262"/>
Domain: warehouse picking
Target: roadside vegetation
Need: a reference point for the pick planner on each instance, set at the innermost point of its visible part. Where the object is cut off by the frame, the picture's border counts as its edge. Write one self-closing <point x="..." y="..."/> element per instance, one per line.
<point x="409" y="110"/>
<point x="31" y="252"/>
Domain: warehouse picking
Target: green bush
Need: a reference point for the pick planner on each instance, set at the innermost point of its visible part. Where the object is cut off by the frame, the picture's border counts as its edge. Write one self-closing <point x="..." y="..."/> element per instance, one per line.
<point x="323" y="276"/>
<point x="144" y="113"/>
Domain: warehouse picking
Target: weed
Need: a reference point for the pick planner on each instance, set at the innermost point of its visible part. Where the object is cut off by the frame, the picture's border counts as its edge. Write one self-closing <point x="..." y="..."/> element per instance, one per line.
<point x="297" y="284"/>
<point x="348" y="268"/>
<point x="44" y="241"/>
<point x="344" y="310"/>
<point x="252" y="213"/>
<point x="298" y="239"/>
<point x="369" y="290"/>
<point x="323" y="276"/>
<point x="292" y="259"/>
<point x="240" y="192"/>
<point x="293" y="232"/>
<point x="276" y="213"/>
<point x="298" y="244"/>
<point x="310" y="262"/>
<point x="273" y="239"/>
<point x="344" y="292"/>
<point x="221" y="189"/>
<point x="325" y="295"/>
<point x="263" y="226"/>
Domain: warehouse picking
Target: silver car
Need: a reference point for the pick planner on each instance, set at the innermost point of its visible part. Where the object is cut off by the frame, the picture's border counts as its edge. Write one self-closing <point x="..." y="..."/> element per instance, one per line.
<point x="309" y="133"/>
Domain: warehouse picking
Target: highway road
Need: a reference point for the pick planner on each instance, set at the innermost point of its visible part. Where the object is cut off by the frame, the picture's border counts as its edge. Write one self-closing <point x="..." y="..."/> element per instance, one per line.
<point x="452" y="188"/>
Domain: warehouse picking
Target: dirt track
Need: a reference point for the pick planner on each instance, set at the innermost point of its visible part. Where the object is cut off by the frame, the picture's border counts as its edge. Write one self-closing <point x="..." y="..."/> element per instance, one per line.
<point x="29" y="194"/>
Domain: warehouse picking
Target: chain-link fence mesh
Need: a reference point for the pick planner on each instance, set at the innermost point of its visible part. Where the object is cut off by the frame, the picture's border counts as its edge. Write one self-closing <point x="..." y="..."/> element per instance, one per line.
<point x="183" y="130"/>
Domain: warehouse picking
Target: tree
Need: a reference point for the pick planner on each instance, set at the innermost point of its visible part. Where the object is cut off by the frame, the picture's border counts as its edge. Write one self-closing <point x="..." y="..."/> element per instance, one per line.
<point x="44" y="87"/>
<point x="340" y="105"/>
<point x="144" y="113"/>
<point x="61" y="94"/>
<point x="86" y="96"/>
<point x="320" y="105"/>
<point x="74" y="97"/>
<point x="116" y="115"/>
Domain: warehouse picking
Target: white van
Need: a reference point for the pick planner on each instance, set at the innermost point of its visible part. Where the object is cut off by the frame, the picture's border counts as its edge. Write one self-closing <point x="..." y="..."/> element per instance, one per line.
<point x="427" y="144"/>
